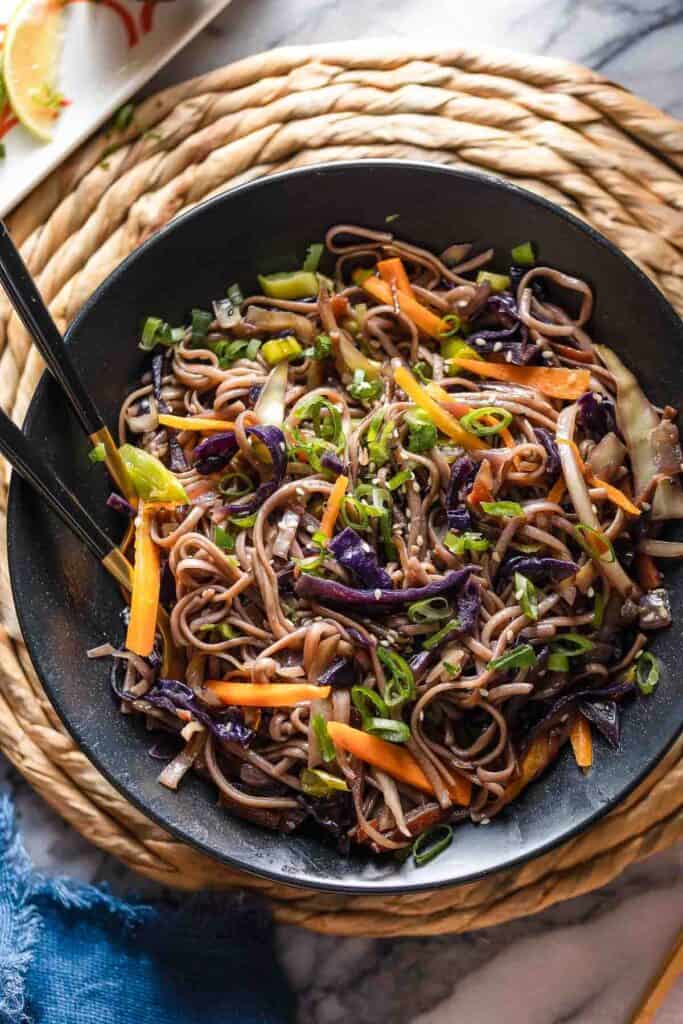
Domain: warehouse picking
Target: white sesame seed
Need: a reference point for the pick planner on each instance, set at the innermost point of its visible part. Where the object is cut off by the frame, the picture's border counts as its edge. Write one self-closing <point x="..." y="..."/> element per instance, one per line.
<point x="479" y="341"/>
<point x="138" y="522"/>
<point x="419" y="540"/>
<point x="508" y="357"/>
<point x="384" y="643"/>
<point x="485" y="821"/>
<point x="594" y="507"/>
<point x="299" y="491"/>
<point x="590" y="592"/>
<point x="646" y="506"/>
<point x="546" y="354"/>
<point x="498" y="346"/>
<point x="495" y="556"/>
<point x="483" y="692"/>
<point x="509" y="636"/>
<point x="378" y="594"/>
<point x="416" y="488"/>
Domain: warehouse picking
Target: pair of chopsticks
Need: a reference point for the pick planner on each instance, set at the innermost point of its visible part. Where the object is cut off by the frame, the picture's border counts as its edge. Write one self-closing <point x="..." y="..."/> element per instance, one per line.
<point x="29" y="464"/>
<point x="659" y="987"/>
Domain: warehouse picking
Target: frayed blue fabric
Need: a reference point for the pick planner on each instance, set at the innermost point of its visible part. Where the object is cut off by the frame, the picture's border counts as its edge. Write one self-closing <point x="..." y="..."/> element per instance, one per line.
<point x="74" y="954"/>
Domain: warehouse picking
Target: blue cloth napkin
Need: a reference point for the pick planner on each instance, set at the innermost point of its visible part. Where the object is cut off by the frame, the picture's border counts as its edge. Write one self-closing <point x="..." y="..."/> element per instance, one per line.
<point x="73" y="954"/>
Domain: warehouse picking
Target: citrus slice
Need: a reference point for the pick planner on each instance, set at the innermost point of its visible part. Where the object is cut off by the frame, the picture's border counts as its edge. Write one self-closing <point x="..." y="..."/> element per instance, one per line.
<point x="32" y="47"/>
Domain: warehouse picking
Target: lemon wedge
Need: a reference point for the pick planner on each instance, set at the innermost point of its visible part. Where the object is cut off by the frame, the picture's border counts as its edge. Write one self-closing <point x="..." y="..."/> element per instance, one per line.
<point x="32" y="47"/>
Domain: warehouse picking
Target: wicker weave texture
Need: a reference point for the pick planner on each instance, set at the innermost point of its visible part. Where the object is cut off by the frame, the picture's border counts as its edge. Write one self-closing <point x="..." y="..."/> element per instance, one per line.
<point x="551" y="126"/>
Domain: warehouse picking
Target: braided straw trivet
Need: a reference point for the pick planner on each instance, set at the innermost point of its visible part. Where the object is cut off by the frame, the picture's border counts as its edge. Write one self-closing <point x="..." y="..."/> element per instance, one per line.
<point x="556" y="128"/>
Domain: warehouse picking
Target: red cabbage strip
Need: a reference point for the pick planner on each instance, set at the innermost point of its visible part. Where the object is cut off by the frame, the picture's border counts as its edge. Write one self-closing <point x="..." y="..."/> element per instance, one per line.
<point x="356" y="555"/>
<point x="214" y="454"/>
<point x="565" y="703"/>
<point x="330" y="590"/>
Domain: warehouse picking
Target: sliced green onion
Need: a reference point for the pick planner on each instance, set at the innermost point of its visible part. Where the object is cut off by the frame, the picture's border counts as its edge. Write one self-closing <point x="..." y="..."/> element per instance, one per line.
<point x="243" y="522"/>
<point x="453" y="322"/>
<point x="523" y="255"/>
<point x="400" y="683"/>
<point x="235" y="485"/>
<point x="223" y="629"/>
<point x="558" y="663"/>
<point x="433" y="609"/>
<point x="526" y="596"/>
<point x="404" y="477"/>
<point x="507" y="509"/>
<point x="3" y="151"/>
<point x="473" y="421"/>
<point x="459" y="543"/>
<point x="423" y="371"/>
<point x="452" y="670"/>
<point x="599" y="609"/>
<point x="253" y="348"/>
<point x="387" y="729"/>
<point x="571" y="644"/>
<point x="278" y="349"/>
<point x="320" y="539"/>
<point x="430" y="844"/>
<point x="318" y="783"/>
<point x="313" y="255"/>
<point x="297" y="284"/>
<point x="455" y="348"/>
<point x="97" y="453"/>
<point x="595" y="543"/>
<point x="379" y="438"/>
<point x="201" y="321"/>
<point x="323" y="738"/>
<point x="422" y="434"/>
<point x="150" y="330"/>
<point x="321" y="348"/>
<point x="391" y="217"/>
<point x="314" y="450"/>
<point x="498" y="282"/>
<point x="151" y="480"/>
<point x="522" y="656"/>
<point x="223" y="539"/>
<point x="647" y="672"/>
<point x="364" y="390"/>
<point x="325" y="417"/>
<point x="311" y="564"/>
<point x="235" y="295"/>
<point x="124" y="116"/>
<point x="435" y="639"/>
<point x="527" y="549"/>
<point x="368" y="703"/>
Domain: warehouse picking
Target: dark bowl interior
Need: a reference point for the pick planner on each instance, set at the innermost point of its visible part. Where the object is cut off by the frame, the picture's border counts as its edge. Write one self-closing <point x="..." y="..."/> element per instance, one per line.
<point x="67" y="604"/>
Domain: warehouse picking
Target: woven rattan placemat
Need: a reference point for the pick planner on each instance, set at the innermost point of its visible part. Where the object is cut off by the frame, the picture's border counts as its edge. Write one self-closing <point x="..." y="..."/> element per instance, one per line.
<point x="554" y="127"/>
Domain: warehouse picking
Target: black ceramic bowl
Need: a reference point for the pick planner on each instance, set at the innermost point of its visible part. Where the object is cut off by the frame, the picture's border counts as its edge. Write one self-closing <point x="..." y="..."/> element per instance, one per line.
<point x="66" y="603"/>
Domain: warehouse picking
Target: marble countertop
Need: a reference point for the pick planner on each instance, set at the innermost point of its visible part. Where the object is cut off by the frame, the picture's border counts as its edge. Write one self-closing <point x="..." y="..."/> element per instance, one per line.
<point x="584" y="961"/>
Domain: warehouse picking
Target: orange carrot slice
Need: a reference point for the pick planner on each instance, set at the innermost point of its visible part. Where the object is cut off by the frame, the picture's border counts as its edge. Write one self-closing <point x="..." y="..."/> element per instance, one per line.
<point x="333" y="507"/>
<point x="427" y="321"/>
<point x="266" y="695"/>
<point x="394" y="273"/>
<point x="391" y="758"/>
<point x="446" y="423"/>
<point x="144" y="603"/>
<point x="582" y="742"/>
<point x="205" y="424"/>
<point x="556" y="382"/>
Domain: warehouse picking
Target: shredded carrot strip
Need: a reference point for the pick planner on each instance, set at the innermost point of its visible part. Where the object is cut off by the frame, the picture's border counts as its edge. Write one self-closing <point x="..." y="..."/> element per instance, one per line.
<point x="616" y="496"/>
<point x="427" y="321"/>
<point x="557" y="382"/>
<point x="144" y="603"/>
<point x="536" y="759"/>
<point x="202" y="423"/>
<point x="394" y="273"/>
<point x="556" y="492"/>
<point x="333" y="507"/>
<point x="582" y="742"/>
<point x="506" y="436"/>
<point x="391" y="758"/>
<point x="446" y="423"/>
<point x="482" y="488"/>
<point x="266" y="695"/>
<point x="649" y="575"/>
<point x="340" y="306"/>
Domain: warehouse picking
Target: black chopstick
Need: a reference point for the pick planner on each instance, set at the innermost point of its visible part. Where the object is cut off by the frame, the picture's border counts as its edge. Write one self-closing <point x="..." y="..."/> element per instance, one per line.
<point x="22" y="292"/>
<point x="23" y="457"/>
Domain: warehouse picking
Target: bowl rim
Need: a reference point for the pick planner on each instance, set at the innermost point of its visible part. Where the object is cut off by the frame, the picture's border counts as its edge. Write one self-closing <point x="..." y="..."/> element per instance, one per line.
<point x="377" y="886"/>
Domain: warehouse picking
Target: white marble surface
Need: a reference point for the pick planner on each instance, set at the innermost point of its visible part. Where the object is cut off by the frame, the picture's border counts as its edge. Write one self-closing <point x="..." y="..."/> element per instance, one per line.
<point x="582" y="962"/>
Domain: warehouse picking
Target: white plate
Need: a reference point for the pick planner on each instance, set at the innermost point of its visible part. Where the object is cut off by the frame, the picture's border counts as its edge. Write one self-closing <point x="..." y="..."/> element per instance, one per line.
<point x="104" y="62"/>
